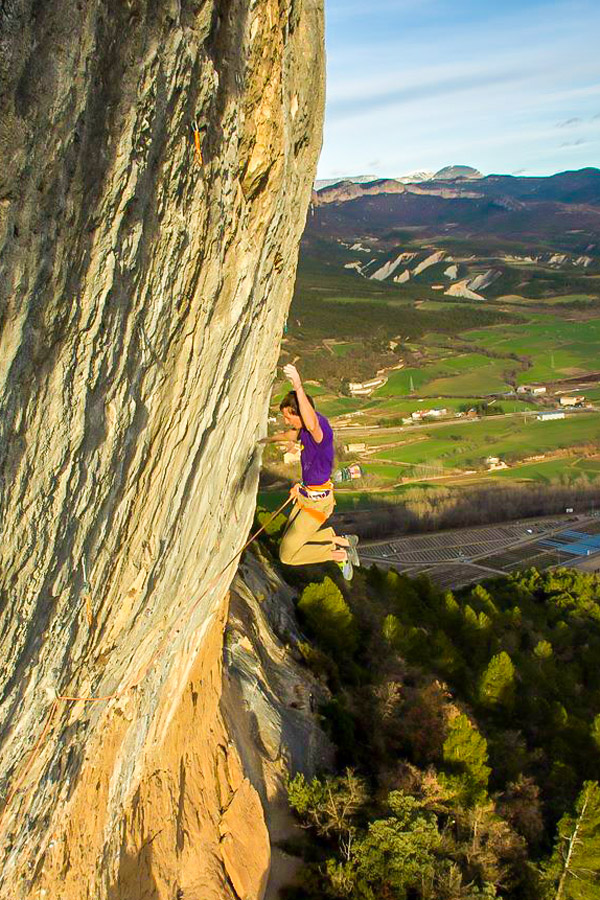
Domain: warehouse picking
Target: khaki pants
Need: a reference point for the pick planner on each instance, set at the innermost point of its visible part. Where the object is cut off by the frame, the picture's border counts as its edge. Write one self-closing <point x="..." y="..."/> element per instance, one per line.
<point x="304" y="540"/>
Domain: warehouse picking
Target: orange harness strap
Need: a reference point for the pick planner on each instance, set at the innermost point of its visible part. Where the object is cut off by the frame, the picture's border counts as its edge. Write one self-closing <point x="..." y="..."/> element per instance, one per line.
<point x="316" y="514"/>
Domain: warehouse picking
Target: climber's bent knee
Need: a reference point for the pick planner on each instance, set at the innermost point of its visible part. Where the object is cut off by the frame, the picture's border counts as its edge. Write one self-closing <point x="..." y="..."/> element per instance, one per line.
<point x="286" y="554"/>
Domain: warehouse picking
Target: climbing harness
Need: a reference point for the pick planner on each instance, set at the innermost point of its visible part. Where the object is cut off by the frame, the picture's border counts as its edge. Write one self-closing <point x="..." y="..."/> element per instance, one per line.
<point x="132" y="683"/>
<point x="316" y="491"/>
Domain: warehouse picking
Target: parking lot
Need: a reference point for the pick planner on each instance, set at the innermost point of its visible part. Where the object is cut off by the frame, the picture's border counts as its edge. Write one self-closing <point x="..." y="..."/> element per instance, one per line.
<point x="453" y="559"/>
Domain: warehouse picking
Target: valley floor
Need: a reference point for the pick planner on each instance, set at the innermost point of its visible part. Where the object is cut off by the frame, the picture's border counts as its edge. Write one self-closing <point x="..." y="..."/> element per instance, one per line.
<point x="463" y="556"/>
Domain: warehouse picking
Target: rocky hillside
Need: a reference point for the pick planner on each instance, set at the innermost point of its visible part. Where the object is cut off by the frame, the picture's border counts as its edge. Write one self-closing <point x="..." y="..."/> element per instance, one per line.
<point x="455" y="182"/>
<point x="561" y="212"/>
<point x="145" y="277"/>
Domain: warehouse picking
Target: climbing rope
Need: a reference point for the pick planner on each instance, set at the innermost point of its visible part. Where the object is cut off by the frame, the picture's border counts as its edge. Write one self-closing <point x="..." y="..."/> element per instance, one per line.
<point x="197" y="132"/>
<point x="132" y="683"/>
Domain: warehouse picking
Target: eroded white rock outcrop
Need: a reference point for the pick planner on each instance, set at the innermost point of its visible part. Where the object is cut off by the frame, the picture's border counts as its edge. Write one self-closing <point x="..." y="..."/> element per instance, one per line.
<point x="144" y="292"/>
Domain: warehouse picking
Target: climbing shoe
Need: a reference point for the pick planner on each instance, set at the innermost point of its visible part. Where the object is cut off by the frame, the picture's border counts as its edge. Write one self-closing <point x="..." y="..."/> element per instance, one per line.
<point x="346" y="569"/>
<point x="351" y="549"/>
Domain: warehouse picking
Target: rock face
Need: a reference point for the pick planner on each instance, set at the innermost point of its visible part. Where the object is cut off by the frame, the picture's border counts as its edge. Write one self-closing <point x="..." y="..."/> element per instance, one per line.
<point x="342" y="191"/>
<point x="144" y="287"/>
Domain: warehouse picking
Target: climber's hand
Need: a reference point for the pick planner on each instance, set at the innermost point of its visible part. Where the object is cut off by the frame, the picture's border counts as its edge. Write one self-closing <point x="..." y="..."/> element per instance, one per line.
<point x="291" y="373"/>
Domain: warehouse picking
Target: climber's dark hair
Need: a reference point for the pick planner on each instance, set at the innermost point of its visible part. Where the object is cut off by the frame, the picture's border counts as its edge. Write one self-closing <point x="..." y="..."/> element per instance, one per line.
<point x="290" y="401"/>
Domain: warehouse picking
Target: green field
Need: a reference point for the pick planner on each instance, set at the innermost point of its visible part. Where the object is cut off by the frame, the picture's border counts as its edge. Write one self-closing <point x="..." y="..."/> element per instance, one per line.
<point x="466" y="446"/>
<point x="339" y="406"/>
<point x="589" y="393"/>
<point x="480" y="380"/>
<point x="345" y="499"/>
<point x="379" y="409"/>
<point x="344" y="349"/>
<point x="538" y="324"/>
<point x="472" y="374"/>
<point x="569" y="469"/>
<point x="555" y="347"/>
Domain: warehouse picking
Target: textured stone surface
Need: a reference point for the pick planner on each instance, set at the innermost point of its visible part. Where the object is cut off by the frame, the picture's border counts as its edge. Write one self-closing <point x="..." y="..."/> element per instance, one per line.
<point x="269" y="701"/>
<point x="142" y="297"/>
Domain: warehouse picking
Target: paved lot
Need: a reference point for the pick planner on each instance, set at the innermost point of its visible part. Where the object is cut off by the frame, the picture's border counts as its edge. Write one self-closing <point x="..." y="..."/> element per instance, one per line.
<point x="453" y="559"/>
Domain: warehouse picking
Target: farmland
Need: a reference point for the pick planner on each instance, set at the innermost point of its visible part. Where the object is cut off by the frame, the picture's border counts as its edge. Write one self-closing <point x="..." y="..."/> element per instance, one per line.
<point x="460" y="379"/>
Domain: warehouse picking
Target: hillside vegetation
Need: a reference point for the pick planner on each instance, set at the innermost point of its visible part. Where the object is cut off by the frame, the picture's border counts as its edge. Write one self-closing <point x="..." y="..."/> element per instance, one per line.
<point x="467" y="729"/>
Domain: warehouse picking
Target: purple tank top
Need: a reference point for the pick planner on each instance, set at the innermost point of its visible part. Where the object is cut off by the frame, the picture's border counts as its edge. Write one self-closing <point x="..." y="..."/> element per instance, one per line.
<point x="316" y="459"/>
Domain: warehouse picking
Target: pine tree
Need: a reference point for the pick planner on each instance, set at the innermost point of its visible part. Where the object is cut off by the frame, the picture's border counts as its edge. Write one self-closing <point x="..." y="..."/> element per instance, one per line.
<point x="465" y="750"/>
<point x="392" y="631"/>
<point x="483" y="599"/>
<point x="596" y="731"/>
<point x="397" y="853"/>
<point x="329" y="805"/>
<point x="497" y="683"/>
<point x="577" y="854"/>
<point x="329" y="617"/>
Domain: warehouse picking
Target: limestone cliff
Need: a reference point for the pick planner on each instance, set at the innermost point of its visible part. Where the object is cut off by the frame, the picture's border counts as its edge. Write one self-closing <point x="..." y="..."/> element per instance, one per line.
<point x="144" y="285"/>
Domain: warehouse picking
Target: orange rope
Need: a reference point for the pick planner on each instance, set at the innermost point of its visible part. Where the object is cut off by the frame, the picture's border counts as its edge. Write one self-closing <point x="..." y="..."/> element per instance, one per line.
<point x="198" y="145"/>
<point x="130" y="685"/>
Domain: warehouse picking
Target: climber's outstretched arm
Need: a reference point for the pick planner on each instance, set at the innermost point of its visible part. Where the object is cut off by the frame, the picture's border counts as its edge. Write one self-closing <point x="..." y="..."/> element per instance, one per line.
<point x="307" y="412"/>
<point x="281" y="437"/>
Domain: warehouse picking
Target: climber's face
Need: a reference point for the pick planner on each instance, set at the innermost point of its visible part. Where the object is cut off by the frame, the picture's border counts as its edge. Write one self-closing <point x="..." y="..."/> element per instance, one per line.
<point x="290" y="419"/>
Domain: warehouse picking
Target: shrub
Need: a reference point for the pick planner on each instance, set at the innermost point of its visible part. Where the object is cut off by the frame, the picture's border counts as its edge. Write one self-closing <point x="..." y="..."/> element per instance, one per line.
<point x="329" y="618"/>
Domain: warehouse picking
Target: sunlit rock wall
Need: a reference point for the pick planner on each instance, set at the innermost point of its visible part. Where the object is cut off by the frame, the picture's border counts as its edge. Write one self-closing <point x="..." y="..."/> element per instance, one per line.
<point x="142" y="298"/>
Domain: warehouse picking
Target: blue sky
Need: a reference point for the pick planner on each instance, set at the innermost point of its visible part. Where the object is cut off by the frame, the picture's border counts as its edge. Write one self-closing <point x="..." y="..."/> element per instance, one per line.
<point x="510" y="87"/>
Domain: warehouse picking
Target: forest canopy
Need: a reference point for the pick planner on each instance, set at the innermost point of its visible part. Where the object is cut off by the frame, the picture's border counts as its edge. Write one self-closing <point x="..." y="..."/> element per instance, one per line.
<point x="467" y="729"/>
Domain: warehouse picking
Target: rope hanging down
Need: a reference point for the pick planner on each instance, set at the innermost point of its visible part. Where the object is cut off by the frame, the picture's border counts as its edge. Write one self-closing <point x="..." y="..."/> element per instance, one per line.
<point x="197" y="131"/>
<point x="131" y="684"/>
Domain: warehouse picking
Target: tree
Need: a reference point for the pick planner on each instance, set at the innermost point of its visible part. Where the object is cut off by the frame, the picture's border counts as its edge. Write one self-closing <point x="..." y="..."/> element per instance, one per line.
<point x="273" y="525"/>
<point x="497" y="683"/>
<point x="483" y="599"/>
<point x="596" y="731"/>
<point x="329" y="806"/>
<point x="422" y="723"/>
<point x="392" y="631"/>
<point x="397" y="853"/>
<point x="520" y="805"/>
<point x="465" y="751"/>
<point x="491" y="852"/>
<point x="576" y="859"/>
<point x="543" y="650"/>
<point x="329" y="617"/>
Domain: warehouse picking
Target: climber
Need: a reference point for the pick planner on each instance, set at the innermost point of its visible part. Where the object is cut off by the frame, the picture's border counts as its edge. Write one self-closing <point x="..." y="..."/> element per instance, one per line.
<point x="305" y="540"/>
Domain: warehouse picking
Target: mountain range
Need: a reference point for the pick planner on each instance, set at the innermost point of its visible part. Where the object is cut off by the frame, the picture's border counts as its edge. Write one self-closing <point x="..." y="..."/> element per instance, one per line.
<point x="558" y="212"/>
<point x="416" y="177"/>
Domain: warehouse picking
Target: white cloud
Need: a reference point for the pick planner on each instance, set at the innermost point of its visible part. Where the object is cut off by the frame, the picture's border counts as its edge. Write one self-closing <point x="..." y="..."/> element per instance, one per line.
<point x="414" y="96"/>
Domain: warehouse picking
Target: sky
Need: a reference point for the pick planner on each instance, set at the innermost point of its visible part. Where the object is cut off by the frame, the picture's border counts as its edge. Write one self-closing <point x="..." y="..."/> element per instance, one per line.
<point x="506" y="87"/>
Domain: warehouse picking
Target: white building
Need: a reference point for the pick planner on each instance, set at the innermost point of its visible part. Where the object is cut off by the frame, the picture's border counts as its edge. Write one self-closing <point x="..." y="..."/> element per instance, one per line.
<point x="547" y="416"/>
<point x="494" y="462"/>
<point x="365" y="388"/>
<point x="572" y="401"/>
<point x="531" y="389"/>
<point x="355" y="448"/>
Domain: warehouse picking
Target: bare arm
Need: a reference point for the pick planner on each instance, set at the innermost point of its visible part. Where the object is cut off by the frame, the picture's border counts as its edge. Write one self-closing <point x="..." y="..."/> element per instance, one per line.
<point x="309" y="416"/>
<point x="280" y="438"/>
